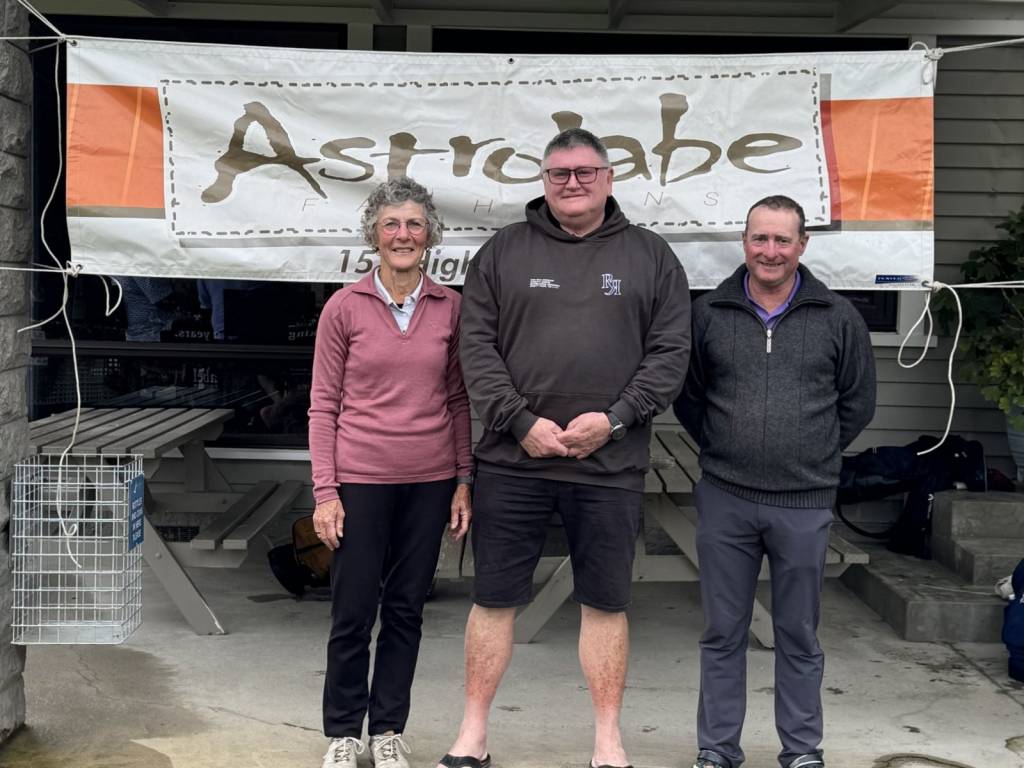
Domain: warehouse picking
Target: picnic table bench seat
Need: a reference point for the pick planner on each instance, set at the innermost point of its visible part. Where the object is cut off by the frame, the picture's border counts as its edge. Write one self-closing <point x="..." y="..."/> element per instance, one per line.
<point x="231" y="523"/>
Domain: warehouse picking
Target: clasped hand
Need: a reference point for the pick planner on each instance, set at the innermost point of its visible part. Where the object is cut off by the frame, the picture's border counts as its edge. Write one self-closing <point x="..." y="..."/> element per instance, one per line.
<point x="580" y="438"/>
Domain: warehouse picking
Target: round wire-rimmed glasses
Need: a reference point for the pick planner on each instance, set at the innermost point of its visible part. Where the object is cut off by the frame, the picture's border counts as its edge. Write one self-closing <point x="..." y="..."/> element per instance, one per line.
<point x="412" y="226"/>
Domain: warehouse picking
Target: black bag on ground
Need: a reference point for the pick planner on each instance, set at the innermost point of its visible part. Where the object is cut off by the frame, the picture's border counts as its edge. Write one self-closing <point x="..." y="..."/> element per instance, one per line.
<point x="880" y="472"/>
<point x="302" y="563"/>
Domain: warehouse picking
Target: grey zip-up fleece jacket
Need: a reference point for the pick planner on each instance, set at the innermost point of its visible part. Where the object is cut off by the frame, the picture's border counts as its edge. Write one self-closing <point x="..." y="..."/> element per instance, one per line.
<point x="556" y="325"/>
<point x="773" y="418"/>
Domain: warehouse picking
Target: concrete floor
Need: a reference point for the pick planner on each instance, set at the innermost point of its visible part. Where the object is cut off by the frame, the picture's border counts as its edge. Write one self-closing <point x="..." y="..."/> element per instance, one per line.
<point x="170" y="699"/>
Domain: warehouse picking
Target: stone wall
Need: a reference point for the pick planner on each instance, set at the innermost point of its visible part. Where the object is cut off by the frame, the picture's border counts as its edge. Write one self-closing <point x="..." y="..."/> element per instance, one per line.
<point x="15" y="247"/>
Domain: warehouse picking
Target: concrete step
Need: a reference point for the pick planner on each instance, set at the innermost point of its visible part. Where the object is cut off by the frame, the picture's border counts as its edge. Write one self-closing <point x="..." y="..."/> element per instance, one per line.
<point x="965" y="515"/>
<point x="979" y="561"/>
<point x="923" y="601"/>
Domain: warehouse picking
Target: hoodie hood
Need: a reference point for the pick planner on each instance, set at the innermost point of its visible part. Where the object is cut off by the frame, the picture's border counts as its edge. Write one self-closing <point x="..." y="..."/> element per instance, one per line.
<point x="539" y="215"/>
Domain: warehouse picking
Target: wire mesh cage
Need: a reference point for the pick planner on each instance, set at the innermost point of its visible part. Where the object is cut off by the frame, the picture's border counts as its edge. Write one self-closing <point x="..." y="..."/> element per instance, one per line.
<point x="76" y="534"/>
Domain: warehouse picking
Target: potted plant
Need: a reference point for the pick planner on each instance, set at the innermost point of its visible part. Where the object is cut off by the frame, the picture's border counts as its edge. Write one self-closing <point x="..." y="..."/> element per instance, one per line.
<point x="992" y="343"/>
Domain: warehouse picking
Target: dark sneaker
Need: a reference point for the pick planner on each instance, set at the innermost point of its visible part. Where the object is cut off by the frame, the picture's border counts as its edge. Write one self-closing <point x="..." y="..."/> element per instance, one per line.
<point x="707" y="758"/>
<point x="808" y="761"/>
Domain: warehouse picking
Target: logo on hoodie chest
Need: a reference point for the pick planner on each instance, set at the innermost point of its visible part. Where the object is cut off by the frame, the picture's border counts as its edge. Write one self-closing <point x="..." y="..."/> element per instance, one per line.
<point x="611" y="286"/>
<point x="543" y="282"/>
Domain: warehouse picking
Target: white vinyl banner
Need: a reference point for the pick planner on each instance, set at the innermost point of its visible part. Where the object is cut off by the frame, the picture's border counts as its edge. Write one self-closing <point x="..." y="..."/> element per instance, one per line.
<point x="231" y="162"/>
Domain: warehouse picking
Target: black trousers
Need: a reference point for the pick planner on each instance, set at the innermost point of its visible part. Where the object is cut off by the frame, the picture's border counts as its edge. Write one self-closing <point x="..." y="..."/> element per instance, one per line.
<point x="387" y="557"/>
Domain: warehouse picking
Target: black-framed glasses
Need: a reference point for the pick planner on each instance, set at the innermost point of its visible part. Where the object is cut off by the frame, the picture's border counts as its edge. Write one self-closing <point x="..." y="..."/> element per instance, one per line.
<point x="412" y="226"/>
<point x="585" y="174"/>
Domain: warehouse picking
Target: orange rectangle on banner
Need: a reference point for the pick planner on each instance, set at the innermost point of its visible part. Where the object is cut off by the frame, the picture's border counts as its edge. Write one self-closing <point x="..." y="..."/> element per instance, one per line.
<point x="115" y="147"/>
<point x="884" y="158"/>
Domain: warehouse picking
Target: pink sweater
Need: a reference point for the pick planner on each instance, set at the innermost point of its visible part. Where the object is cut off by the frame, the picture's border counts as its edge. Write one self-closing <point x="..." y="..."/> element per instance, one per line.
<point x="387" y="407"/>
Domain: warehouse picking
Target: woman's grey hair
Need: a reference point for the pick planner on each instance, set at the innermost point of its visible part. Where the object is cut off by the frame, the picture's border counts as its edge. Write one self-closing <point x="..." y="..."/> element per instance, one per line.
<point x="395" y="192"/>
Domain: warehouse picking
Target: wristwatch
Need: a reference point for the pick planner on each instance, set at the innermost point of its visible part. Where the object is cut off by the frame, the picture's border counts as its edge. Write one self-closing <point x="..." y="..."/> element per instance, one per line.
<point x="618" y="428"/>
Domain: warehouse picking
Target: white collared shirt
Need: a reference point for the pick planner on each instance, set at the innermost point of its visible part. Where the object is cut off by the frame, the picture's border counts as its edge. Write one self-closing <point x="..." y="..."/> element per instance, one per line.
<point x="402" y="314"/>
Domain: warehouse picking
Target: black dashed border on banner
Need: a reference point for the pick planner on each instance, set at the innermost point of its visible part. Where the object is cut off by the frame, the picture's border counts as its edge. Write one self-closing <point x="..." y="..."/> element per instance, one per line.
<point x="692" y="224"/>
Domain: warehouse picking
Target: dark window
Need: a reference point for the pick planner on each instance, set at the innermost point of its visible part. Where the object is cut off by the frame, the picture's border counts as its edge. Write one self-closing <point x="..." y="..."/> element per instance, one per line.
<point x="614" y="43"/>
<point x="879" y="308"/>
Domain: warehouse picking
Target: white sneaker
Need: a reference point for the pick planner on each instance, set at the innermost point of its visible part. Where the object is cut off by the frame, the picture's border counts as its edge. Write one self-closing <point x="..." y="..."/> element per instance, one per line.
<point x="342" y="753"/>
<point x="1004" y="588"/>
<point x="386" y="751"/>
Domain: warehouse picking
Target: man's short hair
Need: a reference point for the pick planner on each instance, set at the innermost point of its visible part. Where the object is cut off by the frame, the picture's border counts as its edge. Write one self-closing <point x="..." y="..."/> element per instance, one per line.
<point x="576" y="137"/>
<point x="779" y="203"/>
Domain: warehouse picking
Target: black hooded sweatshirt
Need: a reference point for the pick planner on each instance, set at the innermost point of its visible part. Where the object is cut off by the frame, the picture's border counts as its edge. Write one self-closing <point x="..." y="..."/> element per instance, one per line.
<point x="555" y="325"/>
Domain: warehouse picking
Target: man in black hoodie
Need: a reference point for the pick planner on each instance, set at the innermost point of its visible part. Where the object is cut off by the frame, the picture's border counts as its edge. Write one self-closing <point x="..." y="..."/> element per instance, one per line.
<point x="575" y="333"/>
<point x="782" y="379"/>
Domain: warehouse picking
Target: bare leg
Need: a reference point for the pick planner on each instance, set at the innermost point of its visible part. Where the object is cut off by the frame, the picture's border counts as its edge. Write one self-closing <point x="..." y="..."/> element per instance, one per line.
<point x="604" y="653"/>
<point x="488" y="652"/>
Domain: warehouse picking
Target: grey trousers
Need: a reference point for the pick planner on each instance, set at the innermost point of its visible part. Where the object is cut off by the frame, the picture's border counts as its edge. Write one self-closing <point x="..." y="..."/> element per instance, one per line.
<point x="732" y="536"/>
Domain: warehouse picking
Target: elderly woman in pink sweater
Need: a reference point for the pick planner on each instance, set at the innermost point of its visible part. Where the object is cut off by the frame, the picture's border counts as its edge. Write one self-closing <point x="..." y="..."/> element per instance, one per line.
<point x="389" y="439"/>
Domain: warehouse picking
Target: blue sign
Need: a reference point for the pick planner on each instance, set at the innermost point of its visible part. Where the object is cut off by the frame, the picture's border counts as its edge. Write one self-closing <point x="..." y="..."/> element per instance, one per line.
<point x="890" y="279"/>
<point x="136" y="514"/>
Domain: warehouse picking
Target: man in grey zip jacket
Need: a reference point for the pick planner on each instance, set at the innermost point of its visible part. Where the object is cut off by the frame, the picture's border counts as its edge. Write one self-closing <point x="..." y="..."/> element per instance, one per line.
<point x="575" y="333"/>
<point x="781" y="380"/>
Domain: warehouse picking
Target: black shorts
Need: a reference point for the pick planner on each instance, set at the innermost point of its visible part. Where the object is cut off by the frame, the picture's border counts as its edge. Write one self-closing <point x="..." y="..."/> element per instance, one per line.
<point x="510" y="519"/>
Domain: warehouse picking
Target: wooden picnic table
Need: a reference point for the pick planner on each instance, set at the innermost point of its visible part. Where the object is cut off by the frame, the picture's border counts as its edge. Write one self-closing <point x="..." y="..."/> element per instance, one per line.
<point x="153" y="433"/>
<point x="668" y="501"/>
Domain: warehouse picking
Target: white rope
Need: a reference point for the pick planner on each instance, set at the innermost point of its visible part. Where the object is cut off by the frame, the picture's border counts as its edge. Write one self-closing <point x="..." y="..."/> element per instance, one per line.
<point x="66" y="271"/>
<point x="930" y="75"/>
<point x="935" y="287"/>
<point x="937" y="53"/>
<point x="28" y="7"/>
<point x="109" y="310"/>
<point x="979" y="46"/>
<point x="72" y="269"/>
<point x="927" y="313"/>
<point x="68" y="530"/>
<point x="38" y="48"/>
<point x="73" y="529"/>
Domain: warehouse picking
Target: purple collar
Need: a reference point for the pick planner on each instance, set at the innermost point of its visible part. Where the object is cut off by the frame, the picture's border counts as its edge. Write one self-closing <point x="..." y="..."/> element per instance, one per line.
<point x="770" y="318"/>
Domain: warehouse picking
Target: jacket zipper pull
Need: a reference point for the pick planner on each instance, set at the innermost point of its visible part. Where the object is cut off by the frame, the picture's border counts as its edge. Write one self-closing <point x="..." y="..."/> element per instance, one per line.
<point x="768" y="346"/>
